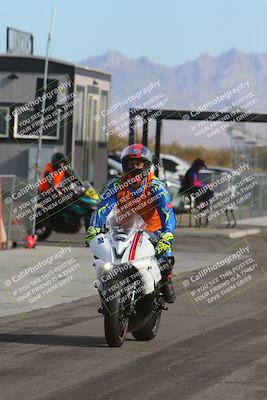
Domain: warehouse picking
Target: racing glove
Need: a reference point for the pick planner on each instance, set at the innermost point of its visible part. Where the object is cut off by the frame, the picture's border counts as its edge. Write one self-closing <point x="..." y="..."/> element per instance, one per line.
<point x="164" y="243"/>
<point x="91" y="234"/>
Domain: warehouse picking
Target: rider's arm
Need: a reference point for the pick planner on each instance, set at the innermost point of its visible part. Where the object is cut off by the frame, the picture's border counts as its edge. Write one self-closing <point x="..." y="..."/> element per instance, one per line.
<point x="106" y="204"/>
<point x="164" y="206"/>
<point x="197" y="181"/>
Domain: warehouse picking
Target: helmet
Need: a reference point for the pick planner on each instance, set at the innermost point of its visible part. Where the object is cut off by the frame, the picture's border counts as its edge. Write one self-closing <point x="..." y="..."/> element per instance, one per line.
<point x="199" y="163"/>
<point x="57" y="159"/>
<point x="138" y="151"/>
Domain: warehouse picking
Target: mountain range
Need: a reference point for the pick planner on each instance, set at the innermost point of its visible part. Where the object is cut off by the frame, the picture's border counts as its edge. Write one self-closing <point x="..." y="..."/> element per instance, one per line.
<point x="188" y="86"/>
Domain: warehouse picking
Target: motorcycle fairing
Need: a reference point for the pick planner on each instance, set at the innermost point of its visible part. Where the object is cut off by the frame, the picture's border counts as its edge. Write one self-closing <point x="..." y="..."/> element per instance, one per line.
<point x="120" y="249"/>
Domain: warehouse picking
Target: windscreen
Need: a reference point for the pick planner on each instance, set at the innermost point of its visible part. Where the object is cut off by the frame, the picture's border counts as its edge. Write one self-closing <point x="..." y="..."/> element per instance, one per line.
<point x="120" y="222"/>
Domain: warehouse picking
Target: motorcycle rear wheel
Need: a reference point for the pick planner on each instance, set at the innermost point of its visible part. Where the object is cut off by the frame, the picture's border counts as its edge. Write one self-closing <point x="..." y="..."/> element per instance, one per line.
<point x="149" y="330"/>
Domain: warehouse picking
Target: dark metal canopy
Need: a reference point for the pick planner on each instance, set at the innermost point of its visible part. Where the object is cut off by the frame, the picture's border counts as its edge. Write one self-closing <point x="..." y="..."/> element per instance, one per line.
<point x="184" y="115"/>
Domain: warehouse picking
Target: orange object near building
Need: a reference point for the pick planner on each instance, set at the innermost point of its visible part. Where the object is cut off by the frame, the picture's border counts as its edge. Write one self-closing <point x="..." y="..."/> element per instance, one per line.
<point x="57" y="178"/>
<point x="144" y="205"/>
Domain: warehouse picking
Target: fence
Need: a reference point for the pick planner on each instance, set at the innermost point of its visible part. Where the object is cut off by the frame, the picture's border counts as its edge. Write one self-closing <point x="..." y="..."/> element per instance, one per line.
<point x="245" y="194"/>
<point x="7" y="186"/>
<point x="13" y="200"/>
<point x="258" y="204"/>
<point x="16" y="210"/>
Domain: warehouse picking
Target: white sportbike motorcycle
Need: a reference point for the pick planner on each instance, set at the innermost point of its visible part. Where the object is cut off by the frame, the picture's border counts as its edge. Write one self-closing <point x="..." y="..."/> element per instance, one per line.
<point x="128" y="279"/>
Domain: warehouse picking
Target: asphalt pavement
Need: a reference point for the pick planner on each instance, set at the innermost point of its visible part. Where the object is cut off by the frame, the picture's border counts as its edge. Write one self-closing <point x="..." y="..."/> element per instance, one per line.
<point x="205" y="350"/>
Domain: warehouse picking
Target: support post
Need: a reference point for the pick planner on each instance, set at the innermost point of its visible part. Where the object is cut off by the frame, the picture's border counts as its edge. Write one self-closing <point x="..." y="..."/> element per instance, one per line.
<point x="131" y="127"/>
<point x="145" y="131"/>
<point x="39" y="148"/>
<point x="157" y="144"/>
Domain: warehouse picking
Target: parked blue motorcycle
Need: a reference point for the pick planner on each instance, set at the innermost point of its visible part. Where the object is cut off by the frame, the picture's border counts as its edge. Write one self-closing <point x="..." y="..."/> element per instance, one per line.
<point x="65" y="210"/>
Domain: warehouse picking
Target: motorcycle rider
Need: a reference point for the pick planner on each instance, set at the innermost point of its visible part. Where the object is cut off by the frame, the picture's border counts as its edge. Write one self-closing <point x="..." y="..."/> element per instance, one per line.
<point x="192" y="182"/>
<point x="140" y="190"/>
<point x="53" y="177"/>
<point x="54" y="173"/>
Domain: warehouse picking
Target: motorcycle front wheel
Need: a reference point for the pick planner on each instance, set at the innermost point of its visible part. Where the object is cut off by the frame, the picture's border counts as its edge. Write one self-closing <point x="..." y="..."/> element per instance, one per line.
<point x="115" y="322"/>
<point x="43" y="232"/>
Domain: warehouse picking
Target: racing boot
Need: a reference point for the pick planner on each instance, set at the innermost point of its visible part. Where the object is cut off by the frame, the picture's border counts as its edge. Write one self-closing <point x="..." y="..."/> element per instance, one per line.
<point x="166" y="264"/>
<point x="168" y="290"/>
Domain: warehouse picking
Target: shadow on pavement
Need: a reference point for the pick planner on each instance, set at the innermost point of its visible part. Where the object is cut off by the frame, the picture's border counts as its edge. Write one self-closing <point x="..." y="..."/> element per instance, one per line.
<point x="54" y="340"/>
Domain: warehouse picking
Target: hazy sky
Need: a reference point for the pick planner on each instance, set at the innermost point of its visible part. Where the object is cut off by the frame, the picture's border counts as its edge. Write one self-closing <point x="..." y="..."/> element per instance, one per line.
<point x="169" y="32"/>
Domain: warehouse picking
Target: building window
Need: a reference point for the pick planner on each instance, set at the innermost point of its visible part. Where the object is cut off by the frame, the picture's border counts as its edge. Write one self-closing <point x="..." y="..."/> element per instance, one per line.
<point x="103" y="117"/>
<point x="92" y="133"/>
<point x="93" y="118"/>
<point x="79" y="118"/>
<point x="27" y="124"/>
<point x="4" y="124"/>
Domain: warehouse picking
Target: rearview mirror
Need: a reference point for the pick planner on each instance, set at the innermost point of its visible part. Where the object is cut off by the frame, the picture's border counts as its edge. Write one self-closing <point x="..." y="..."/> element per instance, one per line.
<point x="113" y="172"/>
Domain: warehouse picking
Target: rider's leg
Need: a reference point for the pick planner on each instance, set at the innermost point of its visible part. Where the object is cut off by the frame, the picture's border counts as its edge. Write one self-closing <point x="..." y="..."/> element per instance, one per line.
<point x="166" y="263"/>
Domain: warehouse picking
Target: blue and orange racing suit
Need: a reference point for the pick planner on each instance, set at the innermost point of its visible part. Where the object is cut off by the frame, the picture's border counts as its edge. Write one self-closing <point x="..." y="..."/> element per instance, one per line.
<point x="151" y="201"/>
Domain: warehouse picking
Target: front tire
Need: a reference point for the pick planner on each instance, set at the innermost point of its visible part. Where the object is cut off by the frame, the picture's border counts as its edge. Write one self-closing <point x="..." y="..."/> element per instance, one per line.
<point x="115" y="323"/>
<point x="150" y="329"/>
